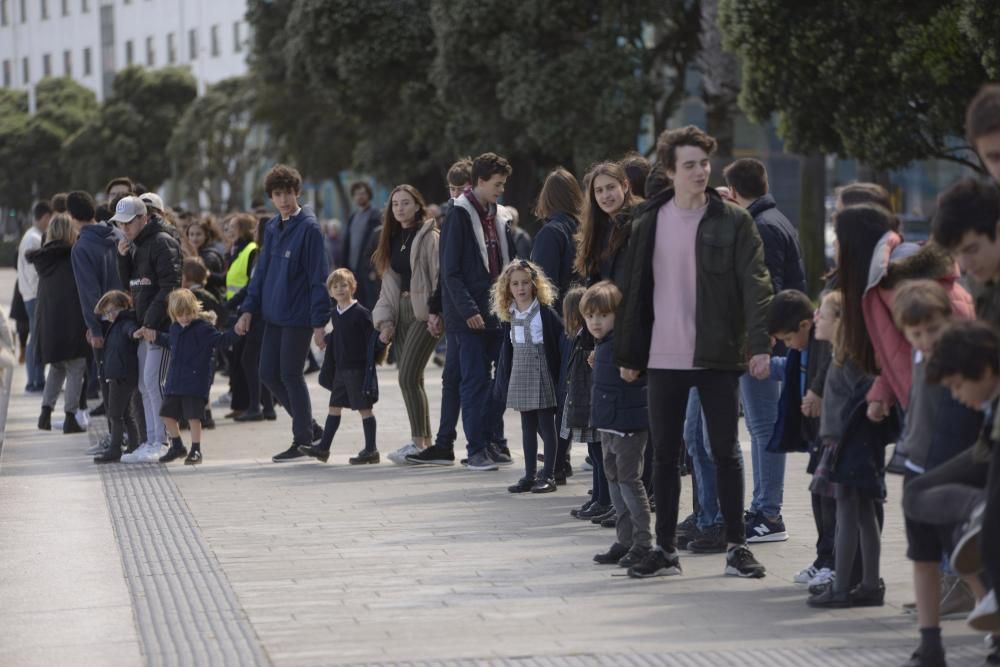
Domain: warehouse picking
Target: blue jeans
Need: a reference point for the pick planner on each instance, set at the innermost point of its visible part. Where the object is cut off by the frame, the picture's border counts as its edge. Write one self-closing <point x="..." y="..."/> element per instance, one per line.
<point x="282" y="360"/>
<point x="696" y="439"/>
<point x="760" y="408"/>
<point x="477" y="354"/>
<point x="34" y="366"/>
<point x="451" y="396"/>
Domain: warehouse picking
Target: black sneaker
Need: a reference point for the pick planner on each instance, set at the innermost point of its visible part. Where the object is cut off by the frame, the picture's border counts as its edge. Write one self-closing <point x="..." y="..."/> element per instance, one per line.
<point x="289" y="454"/>
<point x="270" y="415"/>
<point x="613" y="555"/>
<point x="71" y="425"/>
<point x="45" y="419"/>
<point x="194" y="458"/>
<point x="316" y="452"/>
<point x="687" y="530"/>
<point x="761" y="529"/>
<point x="741" y="563"/>
<point x="544" y="485"/>
<point x="610" y="522"/>
<point x="712" y="540"/>
<point x="656" y="564"/>
<point x="634" y="556"/>
<point x="365" y="457"/>
<point x="575" y="513"/>
<point x="601" y="518"/>
<point x="174" y="453"/>
<point x="435" y="455"/>
<point x="498" y="455"/>
<point x="595" y="509"/>
<point x="523" y="485"/>
<point x="927" y="657"/>
<point x="109" y="455"/>
<point x="317" y="432"/>
<point x="865" y="597"/>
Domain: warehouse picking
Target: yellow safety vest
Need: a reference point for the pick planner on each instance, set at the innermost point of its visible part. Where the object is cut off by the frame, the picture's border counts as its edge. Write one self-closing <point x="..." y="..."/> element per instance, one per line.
<point x="238" y="274"/>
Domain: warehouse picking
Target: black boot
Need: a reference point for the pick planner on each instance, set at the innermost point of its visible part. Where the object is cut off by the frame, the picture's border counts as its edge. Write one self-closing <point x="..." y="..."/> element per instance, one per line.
<point x="71" y="425"/>
<point x="113" y="454"/>
<point x="45" y="419"/>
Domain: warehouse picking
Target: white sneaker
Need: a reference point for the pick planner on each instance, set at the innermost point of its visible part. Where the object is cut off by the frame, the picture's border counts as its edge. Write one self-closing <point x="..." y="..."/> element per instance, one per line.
<point x="823" y="576"/>
<point x="986" y="615"/>
<point x="806" y="575"/>
<point x="399" y="456"/>
<point x="223" y="401"/>
<point x="133" y="456"/>
<point x="83" y="418"/>
<point x="154" y="451"/>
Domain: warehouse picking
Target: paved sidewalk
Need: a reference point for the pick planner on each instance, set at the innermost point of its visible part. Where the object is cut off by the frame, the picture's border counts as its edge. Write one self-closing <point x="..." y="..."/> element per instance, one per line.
<point x="242" y="561"/>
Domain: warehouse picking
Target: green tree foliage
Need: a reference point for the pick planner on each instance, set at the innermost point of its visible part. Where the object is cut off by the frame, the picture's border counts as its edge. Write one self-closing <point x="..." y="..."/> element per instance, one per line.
<point x="31" y="145"/>
<point x="215" y="143"/>
<point x="130" y="133"/>
<point x="883" y="81"/>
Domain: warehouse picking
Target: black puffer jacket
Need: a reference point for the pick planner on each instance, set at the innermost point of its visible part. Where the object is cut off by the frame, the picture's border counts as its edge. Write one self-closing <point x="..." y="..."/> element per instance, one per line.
<point x="152" y="270"/>
<point x="61" y="330"/>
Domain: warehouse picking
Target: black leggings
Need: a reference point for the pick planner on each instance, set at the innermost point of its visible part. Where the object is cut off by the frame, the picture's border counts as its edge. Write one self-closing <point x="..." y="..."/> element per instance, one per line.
<point x="121" y="414"/>
<point x="857" y="525"/>
<point x="533" y="423"/>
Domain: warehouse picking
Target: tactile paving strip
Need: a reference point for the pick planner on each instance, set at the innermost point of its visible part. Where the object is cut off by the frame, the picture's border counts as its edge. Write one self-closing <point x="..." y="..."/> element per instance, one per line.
<point x="186" y="612"/>
<point x="805" y="657"/>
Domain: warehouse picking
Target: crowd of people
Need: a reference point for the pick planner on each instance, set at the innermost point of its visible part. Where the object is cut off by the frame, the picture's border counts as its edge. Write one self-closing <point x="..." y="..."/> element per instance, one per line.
<point x="649" y="310"/>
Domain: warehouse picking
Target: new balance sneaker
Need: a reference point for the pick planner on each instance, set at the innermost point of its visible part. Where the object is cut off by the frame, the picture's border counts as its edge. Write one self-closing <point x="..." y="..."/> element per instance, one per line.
<point x="741" y="563"/>
<point x="712" y="540"/>
<point x="656" y="564"/>
<point x="399" y="456"/>
<point x="435" y="455"/>
<point x="480" y="462"/>
<point x="761" y="529"/>
<point x="965" y="557"/>
<point x="805" y="575"/>
<point x="613" y="555"/>
<point x="986" y="617"/>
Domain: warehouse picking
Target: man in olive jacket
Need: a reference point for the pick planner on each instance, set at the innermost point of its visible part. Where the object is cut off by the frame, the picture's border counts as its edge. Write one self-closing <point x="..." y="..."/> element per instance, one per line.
<point x="694" y="310"/>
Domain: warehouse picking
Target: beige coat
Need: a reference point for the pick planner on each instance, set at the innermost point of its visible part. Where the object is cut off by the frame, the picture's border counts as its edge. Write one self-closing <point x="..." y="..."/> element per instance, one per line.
<point x="424" y="260"/>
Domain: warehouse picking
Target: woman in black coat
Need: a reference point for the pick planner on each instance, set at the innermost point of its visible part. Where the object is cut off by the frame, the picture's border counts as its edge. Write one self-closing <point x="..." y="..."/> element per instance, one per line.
<point x="202" y="240"/>
<point x="62" y="341"/>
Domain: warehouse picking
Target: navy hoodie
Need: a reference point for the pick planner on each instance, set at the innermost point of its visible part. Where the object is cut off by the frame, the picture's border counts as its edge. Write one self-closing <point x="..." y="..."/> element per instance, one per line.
<point x="95" y="268"/>
<point x="288" y="286"/>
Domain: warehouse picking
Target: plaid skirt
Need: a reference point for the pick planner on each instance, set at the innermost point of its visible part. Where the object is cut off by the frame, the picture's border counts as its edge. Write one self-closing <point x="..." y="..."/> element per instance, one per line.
<point x="530" y="387"/>
<point x="587" y="435"/>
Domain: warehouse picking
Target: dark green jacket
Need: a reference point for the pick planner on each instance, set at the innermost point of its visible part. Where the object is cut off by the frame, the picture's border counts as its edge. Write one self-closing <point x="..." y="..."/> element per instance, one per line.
<point x="734" y="288"/>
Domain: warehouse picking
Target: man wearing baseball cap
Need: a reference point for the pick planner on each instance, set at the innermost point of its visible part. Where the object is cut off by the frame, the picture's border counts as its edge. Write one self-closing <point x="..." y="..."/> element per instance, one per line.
<point x="149" y="262"/>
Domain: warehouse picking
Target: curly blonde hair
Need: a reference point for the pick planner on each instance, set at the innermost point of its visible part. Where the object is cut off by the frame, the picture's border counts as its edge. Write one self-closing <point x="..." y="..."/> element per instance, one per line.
<point x="182" y="302"/>
<point x="501" y="299"/>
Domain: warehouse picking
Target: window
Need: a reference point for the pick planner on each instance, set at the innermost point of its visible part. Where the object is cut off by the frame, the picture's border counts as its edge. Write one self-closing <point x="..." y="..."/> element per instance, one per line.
<point x="129" y="52"/>
<point x="6" y="74"/>
<point x="150" y="54"/>
<point x="67" y="63"/>
<point x="193" y="44"/>
<point x="237" y="41"/>
<point x="45" y="9"/>
<point x="25" y="72"/>
<point x="215" y="40"/>
<point x="65" y="7"/>
<point x="86" y="62"/>
<point x="171" y="49"/>
<point x="4" y="20"/>
<point x="47" y="65"/>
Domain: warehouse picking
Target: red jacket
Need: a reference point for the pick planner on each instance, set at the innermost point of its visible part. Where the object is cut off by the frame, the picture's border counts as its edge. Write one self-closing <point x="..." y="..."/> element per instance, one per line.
<point x="892" y="264"/>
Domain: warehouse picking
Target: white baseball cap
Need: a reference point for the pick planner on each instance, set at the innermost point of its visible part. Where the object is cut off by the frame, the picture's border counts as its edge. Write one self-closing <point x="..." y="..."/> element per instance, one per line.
<point x="127" y="208"/>
<point x="152" y="200"/>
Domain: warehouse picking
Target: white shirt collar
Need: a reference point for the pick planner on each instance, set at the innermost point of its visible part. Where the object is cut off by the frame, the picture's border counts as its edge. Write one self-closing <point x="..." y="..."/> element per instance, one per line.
<point x="341" y="312"/>
<point x="522" y="313"/>
<point x="297" y="211"/>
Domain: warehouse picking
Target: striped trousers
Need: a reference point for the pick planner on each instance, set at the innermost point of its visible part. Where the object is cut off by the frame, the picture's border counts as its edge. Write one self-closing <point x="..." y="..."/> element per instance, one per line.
<point x="414" y="346"/>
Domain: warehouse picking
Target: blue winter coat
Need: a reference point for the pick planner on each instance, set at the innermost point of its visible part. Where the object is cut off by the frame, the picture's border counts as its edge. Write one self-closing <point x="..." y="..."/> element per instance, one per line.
<point x="615" y="404"/>
<point x="288" y="286"/>
<point x="95" y="269"/>
<point x="120" y="359"/>
<point x="191" y="350"/>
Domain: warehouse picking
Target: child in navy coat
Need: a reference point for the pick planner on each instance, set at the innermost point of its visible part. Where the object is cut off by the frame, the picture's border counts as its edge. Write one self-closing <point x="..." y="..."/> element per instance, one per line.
<point x="192" y="341"/>
<point x="120" y="370"/>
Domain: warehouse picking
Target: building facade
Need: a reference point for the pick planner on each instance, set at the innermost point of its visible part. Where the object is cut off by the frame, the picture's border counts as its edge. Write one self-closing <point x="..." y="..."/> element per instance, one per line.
<point x="91" y="40"/>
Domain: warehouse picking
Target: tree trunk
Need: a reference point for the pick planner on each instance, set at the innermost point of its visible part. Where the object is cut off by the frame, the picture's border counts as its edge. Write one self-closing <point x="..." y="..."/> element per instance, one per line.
<point x="812" y="216"/>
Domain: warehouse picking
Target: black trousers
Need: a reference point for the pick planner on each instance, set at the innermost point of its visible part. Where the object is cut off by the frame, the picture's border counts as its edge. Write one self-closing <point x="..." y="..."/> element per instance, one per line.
<point x="120" y="412"/>
<point x="667" y="395"/>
